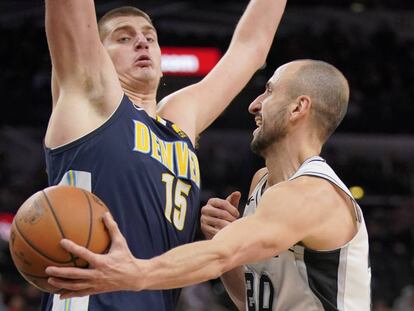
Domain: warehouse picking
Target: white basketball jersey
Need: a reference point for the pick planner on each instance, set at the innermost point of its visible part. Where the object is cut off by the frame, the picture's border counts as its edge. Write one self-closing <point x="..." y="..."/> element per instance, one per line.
<point x="302" y="279"/>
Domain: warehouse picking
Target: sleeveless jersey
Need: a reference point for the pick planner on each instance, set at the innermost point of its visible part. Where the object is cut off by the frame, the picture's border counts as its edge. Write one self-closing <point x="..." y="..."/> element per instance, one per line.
<point x="301" y="279"/>
<point x="147" y="173"/>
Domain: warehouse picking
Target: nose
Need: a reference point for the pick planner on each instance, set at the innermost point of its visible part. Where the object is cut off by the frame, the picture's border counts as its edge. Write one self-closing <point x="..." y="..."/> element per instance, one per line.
<point x="256" y="105"/>
<point x="141" y="42"/>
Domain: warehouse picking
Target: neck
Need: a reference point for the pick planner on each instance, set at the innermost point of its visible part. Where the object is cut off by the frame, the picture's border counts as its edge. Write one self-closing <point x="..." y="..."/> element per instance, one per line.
<point x="284" y="158"/>
<point x="145" y="98"/>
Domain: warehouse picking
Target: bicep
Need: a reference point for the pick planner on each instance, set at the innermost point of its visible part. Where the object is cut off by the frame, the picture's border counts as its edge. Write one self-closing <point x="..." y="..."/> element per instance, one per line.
<point x="73" y="39"/>
<point x="280" y="221"/>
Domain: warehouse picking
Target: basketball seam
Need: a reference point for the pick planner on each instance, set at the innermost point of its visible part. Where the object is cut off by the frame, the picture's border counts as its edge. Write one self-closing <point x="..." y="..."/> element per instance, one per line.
<point x="35" y="276"/>
<point x="90" y="219"/>
<point x="54" y="215"/>
<point x="37" y="249"/>
<point x="73" y="258"/>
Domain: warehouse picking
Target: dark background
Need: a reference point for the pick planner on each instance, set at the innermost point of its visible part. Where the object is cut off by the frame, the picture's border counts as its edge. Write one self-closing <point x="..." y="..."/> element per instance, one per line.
<point x="372" y="42"/>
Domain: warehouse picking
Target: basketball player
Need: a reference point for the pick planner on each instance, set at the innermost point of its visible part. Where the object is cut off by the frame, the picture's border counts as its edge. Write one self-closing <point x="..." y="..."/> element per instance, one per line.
<point x="302" y="239"/>
<point x="107" y="135"/>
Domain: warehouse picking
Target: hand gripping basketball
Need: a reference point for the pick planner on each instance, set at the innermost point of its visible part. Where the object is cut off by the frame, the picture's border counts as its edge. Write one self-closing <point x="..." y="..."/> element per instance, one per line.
<point x="114" y="271"/>
<point x="44" y="219"/>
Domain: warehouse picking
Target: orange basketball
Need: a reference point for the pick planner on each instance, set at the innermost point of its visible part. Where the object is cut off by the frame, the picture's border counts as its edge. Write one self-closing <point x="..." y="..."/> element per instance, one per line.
<point x="44" y="219"/>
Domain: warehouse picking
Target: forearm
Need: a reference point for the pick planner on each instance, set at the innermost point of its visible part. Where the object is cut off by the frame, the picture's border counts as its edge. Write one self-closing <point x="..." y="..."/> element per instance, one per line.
<point x="233" y="281"/>
<point x="185" y="265"/>
<point x="258" y="26"/>
<point x="233" y="246"/>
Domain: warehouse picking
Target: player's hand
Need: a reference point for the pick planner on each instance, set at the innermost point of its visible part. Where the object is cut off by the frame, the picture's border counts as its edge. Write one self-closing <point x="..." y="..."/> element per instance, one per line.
<point x="218" y="213"/>
<point x="113" y="271"/>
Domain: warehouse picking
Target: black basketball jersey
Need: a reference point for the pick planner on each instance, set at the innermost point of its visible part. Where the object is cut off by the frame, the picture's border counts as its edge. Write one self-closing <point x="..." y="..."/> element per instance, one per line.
<point x="146" y="171"/>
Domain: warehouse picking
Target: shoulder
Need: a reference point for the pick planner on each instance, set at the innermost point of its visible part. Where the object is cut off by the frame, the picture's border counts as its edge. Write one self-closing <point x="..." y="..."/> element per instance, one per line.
<point x="314" y="188"/>
<point x="301" y="196"/>
<point x="299" y="205"/>
<point x="176" y="108"/>
<point x="311" y="190"/>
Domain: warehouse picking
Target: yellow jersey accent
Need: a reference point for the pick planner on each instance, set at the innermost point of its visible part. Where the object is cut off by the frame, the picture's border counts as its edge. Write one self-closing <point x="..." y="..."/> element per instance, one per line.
<point x="179" y="131"/>
<point x="156" y="150"/>
<point x="142" y="137"/>
<point x="181" y="153"/>
<point x="167" y="155"/>
<point x="194" y="168"/>
<point x="161" y="120"/>
<point x="176" y="156"/>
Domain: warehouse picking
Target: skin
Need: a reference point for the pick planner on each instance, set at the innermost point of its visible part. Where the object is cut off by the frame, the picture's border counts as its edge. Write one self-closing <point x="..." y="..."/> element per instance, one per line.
<point x="134" y="33"/>
<point x="90" y="77"/>
<point x="307" y="210"/>
<point x="216" y="215"/>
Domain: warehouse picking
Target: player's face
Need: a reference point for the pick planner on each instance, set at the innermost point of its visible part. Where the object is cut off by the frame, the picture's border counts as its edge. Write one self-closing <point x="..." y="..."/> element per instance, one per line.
<point x="132" y="44"/>
<point x="271" y="114"/>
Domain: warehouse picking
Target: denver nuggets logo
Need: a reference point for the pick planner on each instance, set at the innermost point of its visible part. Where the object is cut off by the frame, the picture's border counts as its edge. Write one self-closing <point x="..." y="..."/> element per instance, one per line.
<point x="176" y="156"/>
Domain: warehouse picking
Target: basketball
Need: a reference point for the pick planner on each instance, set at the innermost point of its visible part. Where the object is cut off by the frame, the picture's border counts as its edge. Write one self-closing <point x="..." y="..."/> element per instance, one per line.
<point x="47" y="217"/>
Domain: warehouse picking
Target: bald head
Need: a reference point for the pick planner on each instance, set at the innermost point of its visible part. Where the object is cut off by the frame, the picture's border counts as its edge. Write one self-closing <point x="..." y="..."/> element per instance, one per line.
<point x="327" y="88"/>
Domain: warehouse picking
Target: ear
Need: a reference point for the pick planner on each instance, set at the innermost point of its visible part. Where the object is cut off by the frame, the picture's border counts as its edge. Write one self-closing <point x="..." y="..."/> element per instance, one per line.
<point x="300" y="108"/>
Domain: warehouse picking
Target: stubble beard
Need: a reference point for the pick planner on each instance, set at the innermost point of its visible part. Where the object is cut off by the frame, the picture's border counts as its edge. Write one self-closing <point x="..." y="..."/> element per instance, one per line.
<point x="262" y="141"/>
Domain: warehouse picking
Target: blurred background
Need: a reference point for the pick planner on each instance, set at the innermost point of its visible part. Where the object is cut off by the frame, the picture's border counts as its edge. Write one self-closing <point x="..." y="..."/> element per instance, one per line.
<point x="371" y="41"/>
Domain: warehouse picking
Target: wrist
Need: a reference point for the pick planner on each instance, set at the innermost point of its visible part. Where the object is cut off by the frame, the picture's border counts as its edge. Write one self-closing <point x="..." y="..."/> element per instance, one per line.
<point x="140" y="275"/>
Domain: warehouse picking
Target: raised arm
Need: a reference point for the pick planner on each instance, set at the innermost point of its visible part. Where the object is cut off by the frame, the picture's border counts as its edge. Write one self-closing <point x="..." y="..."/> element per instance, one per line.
<point x="194" y="108"/>
<point x="83" y="74"/>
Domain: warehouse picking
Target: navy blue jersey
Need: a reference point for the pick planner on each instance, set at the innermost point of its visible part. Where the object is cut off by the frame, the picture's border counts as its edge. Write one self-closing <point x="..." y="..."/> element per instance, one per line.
<point x="147" y="173"/>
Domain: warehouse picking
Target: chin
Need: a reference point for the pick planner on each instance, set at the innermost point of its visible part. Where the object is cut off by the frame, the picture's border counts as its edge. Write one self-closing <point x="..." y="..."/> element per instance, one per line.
<point x="256" y="145"/>
<point x="147" y="74"/>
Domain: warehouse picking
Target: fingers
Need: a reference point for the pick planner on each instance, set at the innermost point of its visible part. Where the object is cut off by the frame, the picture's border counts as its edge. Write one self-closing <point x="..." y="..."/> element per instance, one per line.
<point x="211" y="211"/>
<point x="216" y="204"/>
<point x="112" y="226"/>
<point x="208" y="231"/>
<point x="234" y="198"/>
<point x="215" y="222"/>
<point x="79" y="251"/>
<point x="71" y="285"/>
<point x="218" y="213"/>
<point x="73" y="294"/>
<point x="69" y="273"/>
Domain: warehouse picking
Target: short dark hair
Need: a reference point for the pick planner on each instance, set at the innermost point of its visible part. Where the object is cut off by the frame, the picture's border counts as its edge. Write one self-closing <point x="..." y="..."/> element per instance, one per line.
<point x="329" y="91"/>
<point x="121" y="11"/>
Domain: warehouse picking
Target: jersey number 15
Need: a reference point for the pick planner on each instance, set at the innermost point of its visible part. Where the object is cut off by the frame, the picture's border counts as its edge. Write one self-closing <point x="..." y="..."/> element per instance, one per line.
<point x="176" y="193"/>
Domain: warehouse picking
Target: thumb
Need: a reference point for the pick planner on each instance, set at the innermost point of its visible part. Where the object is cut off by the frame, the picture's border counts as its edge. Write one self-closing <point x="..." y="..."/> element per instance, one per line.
<point x="234" y="198"/>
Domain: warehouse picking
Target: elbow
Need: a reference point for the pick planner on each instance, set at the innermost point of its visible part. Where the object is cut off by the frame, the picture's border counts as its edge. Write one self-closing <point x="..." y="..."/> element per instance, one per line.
<point x="256" y="55"/>
<point x="261" y="53"/>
